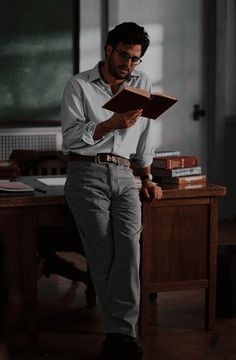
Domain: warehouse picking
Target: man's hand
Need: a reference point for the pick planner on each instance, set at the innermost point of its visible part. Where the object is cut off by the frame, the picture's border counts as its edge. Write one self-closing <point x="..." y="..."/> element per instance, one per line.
<point x="125" y="120"/>
<point x="117" y="121"/>
<point x="150" y="191"/>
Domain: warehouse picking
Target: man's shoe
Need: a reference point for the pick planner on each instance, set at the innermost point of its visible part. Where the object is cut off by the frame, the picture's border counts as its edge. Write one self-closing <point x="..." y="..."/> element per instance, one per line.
<point x="120" y="346"/>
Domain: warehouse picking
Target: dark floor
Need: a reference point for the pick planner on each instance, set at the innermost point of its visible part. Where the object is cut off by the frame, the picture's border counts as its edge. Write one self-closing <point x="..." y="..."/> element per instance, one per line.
<point x="69" y="330"/>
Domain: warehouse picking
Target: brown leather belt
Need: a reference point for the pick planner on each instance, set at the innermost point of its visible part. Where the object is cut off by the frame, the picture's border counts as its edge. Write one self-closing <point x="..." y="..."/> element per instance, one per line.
<point x="100" y="158"/>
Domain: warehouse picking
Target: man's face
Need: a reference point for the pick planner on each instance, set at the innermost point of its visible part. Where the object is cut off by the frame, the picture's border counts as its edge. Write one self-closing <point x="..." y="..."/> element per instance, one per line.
<point x="122" y="59"/>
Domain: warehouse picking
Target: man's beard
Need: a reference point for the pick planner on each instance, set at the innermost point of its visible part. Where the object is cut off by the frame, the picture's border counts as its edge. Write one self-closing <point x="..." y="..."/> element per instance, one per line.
<point x="114" y="71"/>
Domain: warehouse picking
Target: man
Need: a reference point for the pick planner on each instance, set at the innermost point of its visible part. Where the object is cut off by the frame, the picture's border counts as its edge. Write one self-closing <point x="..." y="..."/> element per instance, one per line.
<point x="101" y="188"/>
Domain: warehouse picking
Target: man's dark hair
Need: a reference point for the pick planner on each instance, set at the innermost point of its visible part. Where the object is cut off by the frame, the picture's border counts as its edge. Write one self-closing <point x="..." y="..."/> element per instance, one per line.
<point x="128" y="33"/>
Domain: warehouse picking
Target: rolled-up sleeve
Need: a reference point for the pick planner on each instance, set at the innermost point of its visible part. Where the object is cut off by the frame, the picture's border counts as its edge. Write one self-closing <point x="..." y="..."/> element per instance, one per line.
<point x="77" y="130"/>
<point x="146" y="146"/>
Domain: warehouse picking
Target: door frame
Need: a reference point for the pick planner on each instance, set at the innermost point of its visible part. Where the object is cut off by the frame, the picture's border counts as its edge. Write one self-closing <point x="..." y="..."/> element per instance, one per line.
<point x="216" y="21"/>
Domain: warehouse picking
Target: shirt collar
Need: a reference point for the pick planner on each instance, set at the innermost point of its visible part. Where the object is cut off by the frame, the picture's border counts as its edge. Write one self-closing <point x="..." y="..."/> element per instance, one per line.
<point x="95" y="75"/>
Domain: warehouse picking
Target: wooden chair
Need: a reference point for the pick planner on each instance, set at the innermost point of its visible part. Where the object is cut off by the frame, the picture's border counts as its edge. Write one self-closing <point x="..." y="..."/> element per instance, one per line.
<point x="33" y="162"/>
<point x="51" y="241"/>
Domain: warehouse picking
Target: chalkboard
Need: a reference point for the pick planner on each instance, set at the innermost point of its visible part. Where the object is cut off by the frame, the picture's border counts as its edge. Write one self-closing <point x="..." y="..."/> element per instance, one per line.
<point x="36" y="58"/>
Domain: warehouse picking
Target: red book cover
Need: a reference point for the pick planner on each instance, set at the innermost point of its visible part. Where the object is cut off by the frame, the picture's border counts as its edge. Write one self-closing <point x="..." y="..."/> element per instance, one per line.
<point x="174" y="162"/>
<point x="185" y="180"/>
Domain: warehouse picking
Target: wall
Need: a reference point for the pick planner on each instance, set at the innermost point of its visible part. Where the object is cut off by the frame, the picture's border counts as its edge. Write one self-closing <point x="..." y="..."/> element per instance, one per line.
<point x="230" y="83"/>
<point x="90" y="33"/>
<point x="175" y="64"/>
<point x="228" y="208"/>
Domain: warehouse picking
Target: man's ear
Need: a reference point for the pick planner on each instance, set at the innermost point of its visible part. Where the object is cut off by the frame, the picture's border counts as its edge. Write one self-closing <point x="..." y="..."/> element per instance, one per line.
<point x="109" y="50"/>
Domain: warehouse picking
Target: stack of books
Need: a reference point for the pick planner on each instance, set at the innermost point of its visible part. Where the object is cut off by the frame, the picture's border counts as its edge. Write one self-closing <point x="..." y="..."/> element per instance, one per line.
<point x="182" y="170"/>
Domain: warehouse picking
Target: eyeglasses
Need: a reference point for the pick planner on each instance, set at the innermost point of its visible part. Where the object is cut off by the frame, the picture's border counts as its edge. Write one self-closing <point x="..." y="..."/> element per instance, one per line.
<point x="125" y="56"/>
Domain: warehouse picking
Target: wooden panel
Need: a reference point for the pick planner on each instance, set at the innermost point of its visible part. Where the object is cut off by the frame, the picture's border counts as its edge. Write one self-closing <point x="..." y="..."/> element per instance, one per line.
<point x="56" y="215"/>
<point x="178" y="243"/>
<point x="20" y="231"/>
<point x="18" y="234"/>
<point x="178" y="285"/>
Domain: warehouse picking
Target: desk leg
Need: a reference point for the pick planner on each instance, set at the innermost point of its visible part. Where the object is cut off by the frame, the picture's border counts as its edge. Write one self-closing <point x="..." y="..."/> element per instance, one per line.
<point x="18" y="231"/>
<point x="143" y="323"/>
<point x="210" y="313"/>
<point x="31" y="279"/>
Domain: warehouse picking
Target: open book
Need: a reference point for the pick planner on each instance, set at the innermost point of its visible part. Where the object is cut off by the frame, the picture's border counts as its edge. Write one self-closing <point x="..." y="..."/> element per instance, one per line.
<point x="131" y="98"/>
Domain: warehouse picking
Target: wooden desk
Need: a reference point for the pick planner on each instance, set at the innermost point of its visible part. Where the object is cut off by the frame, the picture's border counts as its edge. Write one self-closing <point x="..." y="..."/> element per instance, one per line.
<point x="20" y="218"/>
<point x="179" y="244"/>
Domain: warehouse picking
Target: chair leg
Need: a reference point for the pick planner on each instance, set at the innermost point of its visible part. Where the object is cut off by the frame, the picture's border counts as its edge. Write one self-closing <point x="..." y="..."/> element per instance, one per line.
<point x="55" y="264"/>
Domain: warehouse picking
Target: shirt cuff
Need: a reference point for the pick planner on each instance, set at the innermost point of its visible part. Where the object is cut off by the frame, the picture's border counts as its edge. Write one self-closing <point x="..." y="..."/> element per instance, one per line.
<point x="89" y="130"/>
<point x="142" y="162"/>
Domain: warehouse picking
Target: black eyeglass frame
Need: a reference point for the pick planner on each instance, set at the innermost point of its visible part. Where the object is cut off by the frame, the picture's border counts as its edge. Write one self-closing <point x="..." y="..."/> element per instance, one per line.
<point x="125" y="56"/>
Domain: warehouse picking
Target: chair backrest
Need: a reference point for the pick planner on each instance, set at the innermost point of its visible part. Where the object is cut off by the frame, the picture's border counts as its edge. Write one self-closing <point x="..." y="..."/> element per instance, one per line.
<point x="33" y="162"/>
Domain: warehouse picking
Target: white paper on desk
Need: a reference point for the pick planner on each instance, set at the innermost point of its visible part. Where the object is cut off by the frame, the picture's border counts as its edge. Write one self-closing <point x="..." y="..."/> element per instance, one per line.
<point x="53" y="181"/>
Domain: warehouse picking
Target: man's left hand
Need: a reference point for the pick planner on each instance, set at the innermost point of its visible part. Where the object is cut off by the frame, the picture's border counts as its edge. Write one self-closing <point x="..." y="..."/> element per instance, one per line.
<point x="150" y="191"/>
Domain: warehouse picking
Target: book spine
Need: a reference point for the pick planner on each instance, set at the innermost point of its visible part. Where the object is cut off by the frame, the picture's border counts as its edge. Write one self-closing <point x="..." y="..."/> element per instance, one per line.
<point x="196" y="170"/>
<point x="159" y="154"/>
<point x="184" y="180"/>
<point x="192" y="186"/>
<point x="175" y="163"/>
<point x="187" y="171"/>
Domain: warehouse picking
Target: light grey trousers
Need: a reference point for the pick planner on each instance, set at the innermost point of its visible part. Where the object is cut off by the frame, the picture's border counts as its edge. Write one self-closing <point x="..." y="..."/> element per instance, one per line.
<point x="105" y="203"/>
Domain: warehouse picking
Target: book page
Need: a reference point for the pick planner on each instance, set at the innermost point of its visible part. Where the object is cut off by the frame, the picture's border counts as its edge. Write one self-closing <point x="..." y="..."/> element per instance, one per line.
<point x="164" y="95"/>
<point x="4" y="163"/>
<point x="137" y="91"/>
<point x="53" y="181"/>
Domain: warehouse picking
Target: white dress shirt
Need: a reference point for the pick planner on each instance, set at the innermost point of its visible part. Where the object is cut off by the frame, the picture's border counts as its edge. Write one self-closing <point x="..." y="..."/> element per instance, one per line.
<point x="81" y="111"/>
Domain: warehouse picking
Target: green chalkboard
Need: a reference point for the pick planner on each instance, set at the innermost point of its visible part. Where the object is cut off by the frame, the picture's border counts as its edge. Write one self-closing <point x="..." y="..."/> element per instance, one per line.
<point x="36" y="58"/>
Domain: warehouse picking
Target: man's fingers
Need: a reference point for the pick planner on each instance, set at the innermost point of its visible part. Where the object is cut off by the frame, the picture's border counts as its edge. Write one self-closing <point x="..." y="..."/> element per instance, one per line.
<point x="135" y="113"/>
<point x="152" y="193"/>
<point x="157" y="191"/>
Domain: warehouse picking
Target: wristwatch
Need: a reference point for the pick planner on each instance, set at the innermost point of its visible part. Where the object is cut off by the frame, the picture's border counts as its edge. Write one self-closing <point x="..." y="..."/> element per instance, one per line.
<point x="146" y="177"/>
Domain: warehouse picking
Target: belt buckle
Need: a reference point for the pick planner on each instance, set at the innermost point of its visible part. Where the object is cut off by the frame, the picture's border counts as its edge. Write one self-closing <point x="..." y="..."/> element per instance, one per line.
<point x="108" y="158"/>
<point x="99" y="158"/>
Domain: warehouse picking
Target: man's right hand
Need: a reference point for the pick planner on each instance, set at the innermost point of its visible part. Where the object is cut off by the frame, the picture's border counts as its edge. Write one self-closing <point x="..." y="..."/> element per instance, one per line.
<point x="125" y="120"/>
<point x="117" y="121"/>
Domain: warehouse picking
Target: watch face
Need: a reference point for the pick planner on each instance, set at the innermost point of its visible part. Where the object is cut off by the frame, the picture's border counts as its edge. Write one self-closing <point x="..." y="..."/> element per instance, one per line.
<point x="146" y="177"/>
